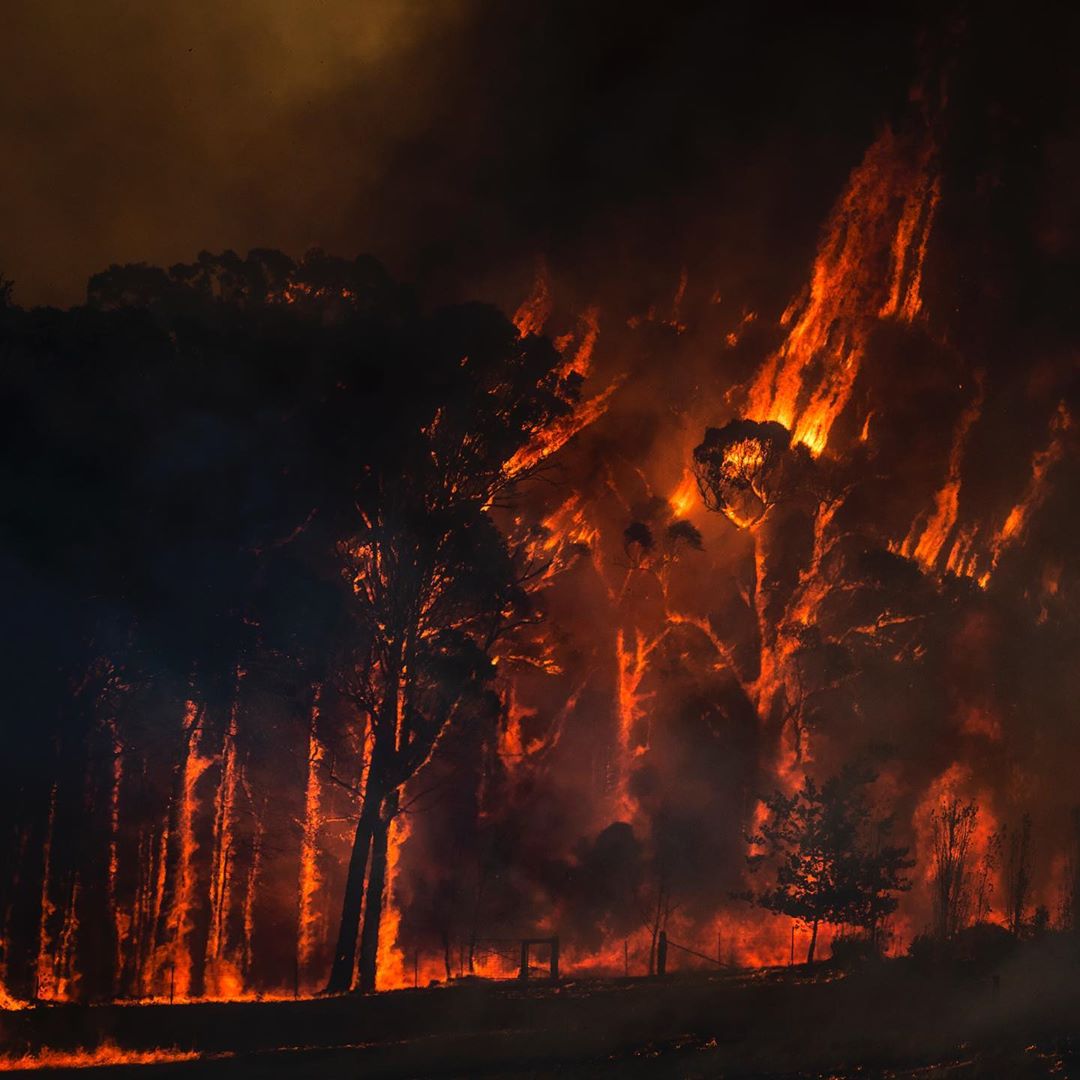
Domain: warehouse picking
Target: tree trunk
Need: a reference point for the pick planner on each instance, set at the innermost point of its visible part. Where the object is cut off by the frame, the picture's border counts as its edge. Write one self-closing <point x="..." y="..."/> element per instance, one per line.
<point x="813" y="942"/>
<point x="341" y="973"/>
<point x="373" y="905"/>
<point x="369" y="829"/>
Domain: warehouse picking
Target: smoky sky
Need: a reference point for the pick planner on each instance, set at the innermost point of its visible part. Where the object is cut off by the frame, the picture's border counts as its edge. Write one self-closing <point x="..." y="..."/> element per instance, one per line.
<point x="455" y="140"/>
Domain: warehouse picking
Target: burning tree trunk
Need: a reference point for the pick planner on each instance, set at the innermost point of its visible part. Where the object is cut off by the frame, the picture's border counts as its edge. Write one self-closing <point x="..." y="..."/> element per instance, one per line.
<point x="435" y="583"/>
<point x="377" y="882"/>
<point x="308" y="918"/>
<point x="341" y="972"/>
<point x="223" y="856"/>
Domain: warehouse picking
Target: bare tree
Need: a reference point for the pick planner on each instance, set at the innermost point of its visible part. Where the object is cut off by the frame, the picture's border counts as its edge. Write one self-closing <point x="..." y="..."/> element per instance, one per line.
<point x="953" y="828"/>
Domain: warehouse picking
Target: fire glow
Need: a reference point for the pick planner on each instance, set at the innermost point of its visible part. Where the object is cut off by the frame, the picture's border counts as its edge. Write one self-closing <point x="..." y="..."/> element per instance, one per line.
<point x="623" y="552"/>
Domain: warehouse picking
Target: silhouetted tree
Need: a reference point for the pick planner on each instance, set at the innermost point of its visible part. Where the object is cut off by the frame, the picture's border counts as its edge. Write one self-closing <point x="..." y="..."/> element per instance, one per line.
<point x="953" y="827"/>
<point x="830" y="856"/>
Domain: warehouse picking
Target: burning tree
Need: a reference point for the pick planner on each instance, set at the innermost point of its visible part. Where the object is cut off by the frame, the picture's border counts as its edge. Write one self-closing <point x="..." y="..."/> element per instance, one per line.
<point x="830" y="855"/>
<point x="435" y="583"/>
<point x="953" y="825"/>
<point x="739" y="468"/>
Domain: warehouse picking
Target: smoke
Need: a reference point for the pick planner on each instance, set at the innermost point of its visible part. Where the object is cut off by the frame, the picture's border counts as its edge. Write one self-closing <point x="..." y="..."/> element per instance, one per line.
<point x="455" y="141"/>
<point x="137" y="132"/>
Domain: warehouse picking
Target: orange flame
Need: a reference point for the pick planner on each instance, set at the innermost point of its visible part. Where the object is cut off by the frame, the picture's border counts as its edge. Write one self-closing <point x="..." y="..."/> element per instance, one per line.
<point x="1037" y="489"/>
<point x="925" y="545"/>
<point x="534" y="312"/>
<point x="390" y="966"/>
<point x="175" y="958"/>
<point x="830" y="327"/>
<point x="310" y="915"/>
<point x="108" y="1053"/>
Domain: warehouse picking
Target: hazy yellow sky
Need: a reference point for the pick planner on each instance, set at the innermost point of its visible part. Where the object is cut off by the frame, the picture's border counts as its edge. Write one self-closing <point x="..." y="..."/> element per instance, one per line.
<point x="146" y="131"/>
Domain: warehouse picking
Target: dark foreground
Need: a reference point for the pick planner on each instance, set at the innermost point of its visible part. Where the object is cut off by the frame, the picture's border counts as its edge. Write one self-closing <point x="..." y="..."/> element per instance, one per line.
<point x="889" y="1020"/>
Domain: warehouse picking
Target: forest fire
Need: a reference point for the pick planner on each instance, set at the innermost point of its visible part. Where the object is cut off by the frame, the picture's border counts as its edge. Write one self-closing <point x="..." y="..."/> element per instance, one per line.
<point x="869" y="268"/>
<point x="715" y="619"/>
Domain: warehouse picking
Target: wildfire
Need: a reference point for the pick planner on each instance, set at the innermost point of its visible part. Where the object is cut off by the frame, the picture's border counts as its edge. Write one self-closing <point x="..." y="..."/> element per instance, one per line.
<point x="220" y="873"/>
<point x="969" y="554"/>
<point x="576" y="349"/>
<point x="554" y="438"/>
<point x="739" y="641"/>
<point x="633" y="663"/>
<point x="807" y="383"/>
<point x="743" y="459"/>
<point x="739" y="469"/>
<point x="9" y="1002"/>
<point x="302" y="291"/>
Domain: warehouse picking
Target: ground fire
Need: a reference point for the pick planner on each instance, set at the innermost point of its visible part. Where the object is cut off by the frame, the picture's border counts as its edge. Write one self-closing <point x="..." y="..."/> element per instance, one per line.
<point x="717" y="619"/>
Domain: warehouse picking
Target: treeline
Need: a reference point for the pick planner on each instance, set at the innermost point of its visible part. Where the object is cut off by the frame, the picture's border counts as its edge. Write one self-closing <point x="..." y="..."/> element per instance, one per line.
<point x="250" y="585"/>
